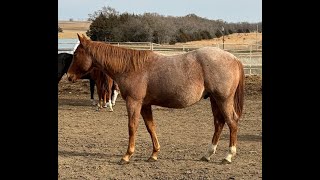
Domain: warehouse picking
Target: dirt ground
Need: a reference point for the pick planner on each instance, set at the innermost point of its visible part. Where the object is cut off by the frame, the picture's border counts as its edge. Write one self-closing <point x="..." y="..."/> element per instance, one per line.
<point x="91" y="142"/>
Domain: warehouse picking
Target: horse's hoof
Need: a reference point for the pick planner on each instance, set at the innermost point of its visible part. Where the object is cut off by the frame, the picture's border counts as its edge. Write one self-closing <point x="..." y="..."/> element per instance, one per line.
<point x="151" y="159"/>
<point x="205" y="159"/>
<point x="111" y="110"/>
<point x="225" y="161"/>
<point x="122" y="162"/>
<point x="93" y="103"/>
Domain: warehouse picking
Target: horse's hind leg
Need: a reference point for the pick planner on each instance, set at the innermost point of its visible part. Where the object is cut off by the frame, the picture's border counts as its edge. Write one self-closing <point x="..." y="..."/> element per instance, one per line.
<point x="109" y="92"/>
<point x="105" y="94"/>
<point x="218" y="126"/>
<point x="99" y="91"/>
<point x="146" y="113"/>
<point x="92" y="83"/>
<point x="231" y="118"/>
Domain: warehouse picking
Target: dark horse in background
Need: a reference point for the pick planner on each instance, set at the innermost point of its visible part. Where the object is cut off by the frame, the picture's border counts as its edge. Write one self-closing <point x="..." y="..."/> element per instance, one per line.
<point x="64" y="61"/>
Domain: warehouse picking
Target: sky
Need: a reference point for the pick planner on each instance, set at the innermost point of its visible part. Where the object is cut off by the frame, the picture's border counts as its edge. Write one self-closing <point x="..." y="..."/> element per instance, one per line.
<point x="226" y="10"/>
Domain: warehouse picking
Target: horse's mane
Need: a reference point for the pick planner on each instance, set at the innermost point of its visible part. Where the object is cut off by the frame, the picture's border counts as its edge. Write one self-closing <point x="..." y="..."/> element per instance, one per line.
<point x="119" y="58"/>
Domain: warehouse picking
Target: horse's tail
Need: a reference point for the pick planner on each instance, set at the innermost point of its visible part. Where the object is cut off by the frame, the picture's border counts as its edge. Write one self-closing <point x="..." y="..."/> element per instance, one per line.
<point x="239" y="94"/>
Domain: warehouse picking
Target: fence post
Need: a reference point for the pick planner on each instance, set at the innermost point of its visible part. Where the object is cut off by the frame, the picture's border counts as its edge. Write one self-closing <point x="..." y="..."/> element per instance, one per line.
<point x="118" y="44"/>
<point x="250" y="52"/>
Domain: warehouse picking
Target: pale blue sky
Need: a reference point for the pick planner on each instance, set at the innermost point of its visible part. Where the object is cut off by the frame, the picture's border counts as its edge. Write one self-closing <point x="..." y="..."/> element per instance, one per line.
<point x="227" y="10"/>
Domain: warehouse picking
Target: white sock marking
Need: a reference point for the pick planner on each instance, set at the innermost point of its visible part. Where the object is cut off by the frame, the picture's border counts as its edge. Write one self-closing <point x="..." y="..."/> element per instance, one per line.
<point x="231" y="153"/>
<point x="114" y="97"/>
<point x="110" y="105"/>
<point x="211" y="150"/>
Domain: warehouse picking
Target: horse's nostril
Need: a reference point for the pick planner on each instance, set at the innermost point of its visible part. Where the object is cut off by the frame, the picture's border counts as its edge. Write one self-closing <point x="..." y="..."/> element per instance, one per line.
<point x="69" y="78"/>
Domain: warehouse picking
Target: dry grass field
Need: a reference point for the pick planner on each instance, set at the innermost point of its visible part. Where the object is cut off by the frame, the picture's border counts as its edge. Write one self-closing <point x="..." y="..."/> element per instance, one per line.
<point x="71" y="28"/>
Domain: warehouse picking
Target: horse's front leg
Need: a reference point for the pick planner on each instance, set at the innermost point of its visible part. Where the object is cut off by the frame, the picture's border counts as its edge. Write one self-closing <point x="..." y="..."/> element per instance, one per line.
<point x="133" y="108"/>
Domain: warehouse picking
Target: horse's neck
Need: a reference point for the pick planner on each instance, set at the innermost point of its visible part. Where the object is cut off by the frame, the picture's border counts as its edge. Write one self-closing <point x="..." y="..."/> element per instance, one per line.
<point x="101" y="65"/>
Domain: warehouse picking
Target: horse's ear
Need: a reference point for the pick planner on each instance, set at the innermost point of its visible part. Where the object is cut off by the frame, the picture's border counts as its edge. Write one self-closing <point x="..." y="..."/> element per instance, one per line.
<point x="79" y="37"/>
<point x="82" y="40"/>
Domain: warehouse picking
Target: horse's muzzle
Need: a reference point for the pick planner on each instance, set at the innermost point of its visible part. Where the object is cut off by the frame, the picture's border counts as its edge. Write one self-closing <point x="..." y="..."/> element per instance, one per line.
<point x="71" y="78"/>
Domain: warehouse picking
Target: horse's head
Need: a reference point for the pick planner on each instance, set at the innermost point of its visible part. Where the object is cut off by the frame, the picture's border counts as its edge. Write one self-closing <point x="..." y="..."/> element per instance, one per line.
<point x="82" y="61"/>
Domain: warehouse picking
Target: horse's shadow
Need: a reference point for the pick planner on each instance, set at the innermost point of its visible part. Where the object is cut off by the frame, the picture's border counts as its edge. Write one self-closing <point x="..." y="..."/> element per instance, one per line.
<point x="246" y="137"/>
<point x="108" y="157"/>
<point x="135" y="159"/>
<point x="74" y="153"/>
<point x="74" y="102"/>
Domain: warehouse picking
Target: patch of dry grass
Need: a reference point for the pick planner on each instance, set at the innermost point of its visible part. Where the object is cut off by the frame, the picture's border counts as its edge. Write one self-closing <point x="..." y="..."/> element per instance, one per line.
<point x="71" y="28"/>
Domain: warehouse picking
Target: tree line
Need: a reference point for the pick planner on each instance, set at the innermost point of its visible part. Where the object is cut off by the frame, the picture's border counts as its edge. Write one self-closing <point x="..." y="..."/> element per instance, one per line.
<point x="109" y="25"/>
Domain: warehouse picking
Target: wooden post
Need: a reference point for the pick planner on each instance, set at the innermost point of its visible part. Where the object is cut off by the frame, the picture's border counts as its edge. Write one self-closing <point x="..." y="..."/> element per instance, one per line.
<point x="250" y="52"/>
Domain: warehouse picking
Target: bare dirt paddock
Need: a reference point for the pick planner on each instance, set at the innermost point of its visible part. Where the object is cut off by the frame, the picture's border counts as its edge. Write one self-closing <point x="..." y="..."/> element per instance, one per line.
<point x="91" y="143"/>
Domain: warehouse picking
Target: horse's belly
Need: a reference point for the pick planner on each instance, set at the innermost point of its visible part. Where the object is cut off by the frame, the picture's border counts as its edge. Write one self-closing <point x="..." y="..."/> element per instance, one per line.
<point x="176" y="99"/>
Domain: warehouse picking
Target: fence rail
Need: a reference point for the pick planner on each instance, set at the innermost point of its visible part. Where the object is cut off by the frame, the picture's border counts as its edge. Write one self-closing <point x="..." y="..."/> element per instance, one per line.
<point x="249" y="54"/>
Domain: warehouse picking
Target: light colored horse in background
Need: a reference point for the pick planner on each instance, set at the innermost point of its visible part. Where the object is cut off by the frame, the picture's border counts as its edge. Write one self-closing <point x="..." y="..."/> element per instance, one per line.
<point x="146" y="78"/>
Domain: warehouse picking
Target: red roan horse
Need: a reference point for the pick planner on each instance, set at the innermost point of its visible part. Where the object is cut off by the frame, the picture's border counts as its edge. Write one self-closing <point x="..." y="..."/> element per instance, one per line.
<point x="146" y="78"/>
